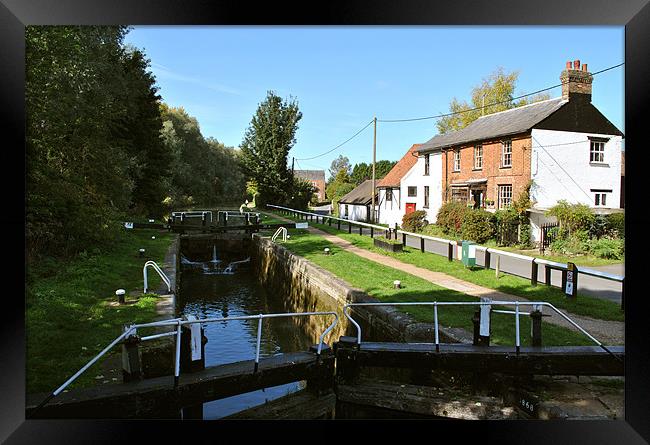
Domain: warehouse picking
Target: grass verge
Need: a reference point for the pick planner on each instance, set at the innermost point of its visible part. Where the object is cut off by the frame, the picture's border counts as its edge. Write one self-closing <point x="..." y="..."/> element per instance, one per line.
<point x="582" y="305"/>
<point x="70" y="306"/>
<point x="377" y="280"/>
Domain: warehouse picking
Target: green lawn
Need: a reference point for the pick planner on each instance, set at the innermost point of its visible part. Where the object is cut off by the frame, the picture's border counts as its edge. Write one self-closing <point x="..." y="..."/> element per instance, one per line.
<point x="377" y="280"/>
<point x="583" y="305"/>
<point x="68" y="315"/>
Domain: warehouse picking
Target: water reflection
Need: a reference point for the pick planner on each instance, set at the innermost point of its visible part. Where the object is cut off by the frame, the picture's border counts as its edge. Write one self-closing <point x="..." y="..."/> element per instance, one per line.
<point x="229" y="295"/>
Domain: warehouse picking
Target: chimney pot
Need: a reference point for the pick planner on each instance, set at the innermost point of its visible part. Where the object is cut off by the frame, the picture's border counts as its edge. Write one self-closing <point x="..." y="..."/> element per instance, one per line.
<point x="584" y="67"/>
<point x="568" y="65"/>
<point x="576" y="64"/>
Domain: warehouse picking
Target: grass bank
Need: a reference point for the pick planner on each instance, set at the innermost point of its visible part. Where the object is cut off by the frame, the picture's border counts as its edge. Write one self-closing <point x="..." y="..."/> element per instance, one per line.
<point x="377" y="280"/>
<point x="582" y="305"/>
<point x="70" y="306"/>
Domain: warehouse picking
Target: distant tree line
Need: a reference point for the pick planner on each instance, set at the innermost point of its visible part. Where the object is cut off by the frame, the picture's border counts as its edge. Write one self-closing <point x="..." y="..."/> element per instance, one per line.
<point x="344" y="178"/>
<point x="100" y="144"/>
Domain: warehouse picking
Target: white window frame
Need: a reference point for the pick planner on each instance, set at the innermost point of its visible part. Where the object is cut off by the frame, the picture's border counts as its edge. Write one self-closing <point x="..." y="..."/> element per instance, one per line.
<point x="506" y="143"/>
<point x="426" y="197"/>
<point x="408" y="191"/>
<point x="501" y="194"/>
<point x="457" y="160"/>
<point x="478" y="149"/>
<point x="389" y="194"/>
<point x="426" y="165"/>
<point x="596" y="152"/>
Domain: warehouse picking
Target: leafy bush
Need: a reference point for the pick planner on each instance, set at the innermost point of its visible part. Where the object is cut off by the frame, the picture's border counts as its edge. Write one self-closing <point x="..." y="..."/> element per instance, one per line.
<point x="302" y="191"/>
<point x="598" y="227"/>
<point x="616" y="224"/>
<point x="507" y="222"/>
<point x="571" y="217"/>
<point x="569" y="246"/>
<point x="478" y="225"/>
<point x="607" y="248"/>
<point x="414" y="221"/>
<point x="450" y="217"/>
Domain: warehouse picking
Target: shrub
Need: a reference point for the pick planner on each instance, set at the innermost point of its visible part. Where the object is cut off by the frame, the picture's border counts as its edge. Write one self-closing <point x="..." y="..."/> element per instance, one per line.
<point x="507" y="221"/>
<point x="616" y="224"/>
<point x="478" y="225"/>
<point x="571" y="216"/>
<point x="607" y="248"/>
<point x="414" y="221"/>
<point x="598" y="227"/>
<point x="450" y="217"/>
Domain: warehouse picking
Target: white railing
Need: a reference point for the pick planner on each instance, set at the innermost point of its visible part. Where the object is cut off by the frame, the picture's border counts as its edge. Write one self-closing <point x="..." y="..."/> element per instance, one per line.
<point x="160" y="272"/>
<point x="131" y="330"/>
<point x="281" y="230"/>
<point x="489" y="250"/>
<point x="535" y="304"/>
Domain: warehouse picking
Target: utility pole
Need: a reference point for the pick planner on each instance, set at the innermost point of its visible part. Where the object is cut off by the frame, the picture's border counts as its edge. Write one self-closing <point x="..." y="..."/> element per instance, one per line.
<point x="374" y="156"/>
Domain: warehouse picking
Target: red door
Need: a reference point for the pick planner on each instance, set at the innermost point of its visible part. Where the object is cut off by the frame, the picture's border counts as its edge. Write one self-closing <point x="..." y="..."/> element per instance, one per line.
<point x="410" y="207"/>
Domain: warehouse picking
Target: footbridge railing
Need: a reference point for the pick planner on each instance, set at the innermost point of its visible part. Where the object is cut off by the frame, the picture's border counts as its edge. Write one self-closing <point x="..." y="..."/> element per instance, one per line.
<point x="485" y="306"/>
<point x="130" y="331"/>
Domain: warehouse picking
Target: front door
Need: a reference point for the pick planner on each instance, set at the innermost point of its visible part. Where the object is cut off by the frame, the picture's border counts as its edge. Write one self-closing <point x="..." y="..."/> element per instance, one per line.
<point x="410" y="207"/>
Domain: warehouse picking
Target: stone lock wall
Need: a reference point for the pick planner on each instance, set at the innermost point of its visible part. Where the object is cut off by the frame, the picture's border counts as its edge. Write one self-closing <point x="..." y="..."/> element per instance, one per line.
<point x="304" y="287"/>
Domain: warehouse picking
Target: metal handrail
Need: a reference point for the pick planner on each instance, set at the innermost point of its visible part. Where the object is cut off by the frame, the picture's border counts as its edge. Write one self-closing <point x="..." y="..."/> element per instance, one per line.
<point x="131" y="330"/>
<point x="160" y="272"/>
<point x="282" y="230"/>
<point x="435" y="304"/>
<point x="491" y="250"/>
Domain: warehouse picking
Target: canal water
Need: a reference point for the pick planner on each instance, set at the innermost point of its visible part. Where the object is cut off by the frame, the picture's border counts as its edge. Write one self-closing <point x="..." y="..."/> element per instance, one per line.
<point x="211" y="290"/>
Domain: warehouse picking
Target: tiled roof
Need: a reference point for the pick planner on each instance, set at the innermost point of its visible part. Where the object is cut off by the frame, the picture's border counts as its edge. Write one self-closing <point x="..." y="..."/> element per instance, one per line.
<point x="361" y="195"/>
<point x="312" y="175"/>
<point x="516" y="120"/>
<point x="395" y="175"/>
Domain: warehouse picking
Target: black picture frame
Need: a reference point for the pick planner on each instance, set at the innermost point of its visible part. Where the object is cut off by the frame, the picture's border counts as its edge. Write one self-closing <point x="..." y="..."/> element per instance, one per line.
<point x="15" y="14"/>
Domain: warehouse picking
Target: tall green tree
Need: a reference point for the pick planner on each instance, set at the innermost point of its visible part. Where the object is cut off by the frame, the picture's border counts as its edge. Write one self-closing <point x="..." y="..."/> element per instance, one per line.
<point x="338" y="164"/>
<point x="362" y="171"/>
<point x="266" y="144"/>
<point x="139" y="133"/>
<point x="77" y="175"/>
<point x="495" y="93"/>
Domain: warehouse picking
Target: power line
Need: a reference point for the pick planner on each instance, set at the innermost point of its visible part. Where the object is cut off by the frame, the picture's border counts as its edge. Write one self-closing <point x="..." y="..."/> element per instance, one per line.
<point x="338" y="146"/>
<point x="492" y="104"/>
<point x="451" y="114"/>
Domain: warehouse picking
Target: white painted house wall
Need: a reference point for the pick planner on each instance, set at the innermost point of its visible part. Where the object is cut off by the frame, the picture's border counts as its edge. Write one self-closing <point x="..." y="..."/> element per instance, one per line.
<point x="390" y="212"/>
<point x="355" y="212"/>
<point x="564" y="171"/>
<point x="415" y="177"/>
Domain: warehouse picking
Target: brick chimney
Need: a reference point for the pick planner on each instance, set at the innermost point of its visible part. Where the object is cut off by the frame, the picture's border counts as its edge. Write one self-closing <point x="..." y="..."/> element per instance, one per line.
<point x="576" y="82"/>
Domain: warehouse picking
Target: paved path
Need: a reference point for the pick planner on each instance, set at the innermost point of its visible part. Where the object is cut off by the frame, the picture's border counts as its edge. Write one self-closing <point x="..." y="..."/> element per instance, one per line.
<point x="607" y="332"/>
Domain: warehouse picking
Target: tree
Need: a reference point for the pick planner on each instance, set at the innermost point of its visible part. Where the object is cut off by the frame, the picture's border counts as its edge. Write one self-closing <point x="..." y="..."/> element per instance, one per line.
<point x="265" y="147"/>
<point x="338" y="164"/>
<point x="78" y="177"/>
<point x="494" y="94"/>
<point x="362" y="172"/>
<point x="138" y="131"/>
<point x="339" y="187"/>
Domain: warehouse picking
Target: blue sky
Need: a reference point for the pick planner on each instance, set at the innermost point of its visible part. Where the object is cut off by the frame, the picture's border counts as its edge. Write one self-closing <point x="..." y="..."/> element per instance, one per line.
<point x="343" y="76"/>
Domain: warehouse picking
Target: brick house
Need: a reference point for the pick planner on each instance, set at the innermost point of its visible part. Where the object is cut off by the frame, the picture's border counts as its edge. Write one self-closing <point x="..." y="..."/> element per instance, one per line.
<point x="316" y="178"/>
<point x="564" y="145"/>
